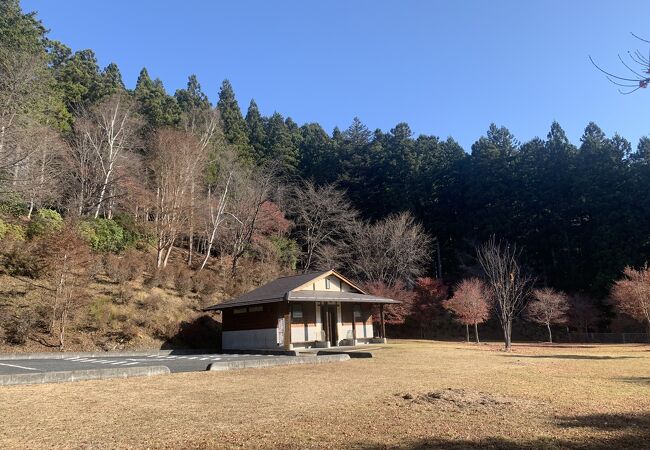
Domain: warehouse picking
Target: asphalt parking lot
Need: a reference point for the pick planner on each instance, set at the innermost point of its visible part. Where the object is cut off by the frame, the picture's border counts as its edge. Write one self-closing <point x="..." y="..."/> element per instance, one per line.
<point x="175" y="363"/>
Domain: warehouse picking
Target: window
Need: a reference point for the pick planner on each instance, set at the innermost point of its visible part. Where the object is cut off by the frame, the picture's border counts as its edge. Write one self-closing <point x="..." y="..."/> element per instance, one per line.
<point x="357" y="311"/>
<point x="327" y="283"/>
<point x="239" y="310"/>
<point x="255" y="308"/>
<point x="296" y="311"/>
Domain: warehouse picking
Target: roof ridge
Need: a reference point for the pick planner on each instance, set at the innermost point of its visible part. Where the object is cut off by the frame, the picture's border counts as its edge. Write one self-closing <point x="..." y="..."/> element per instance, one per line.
<point x="303" y="274"/>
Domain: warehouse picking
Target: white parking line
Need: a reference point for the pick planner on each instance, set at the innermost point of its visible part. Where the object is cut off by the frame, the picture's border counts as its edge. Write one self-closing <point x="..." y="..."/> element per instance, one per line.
<point x="143" y="359"/>
<point x="16" y="366"/>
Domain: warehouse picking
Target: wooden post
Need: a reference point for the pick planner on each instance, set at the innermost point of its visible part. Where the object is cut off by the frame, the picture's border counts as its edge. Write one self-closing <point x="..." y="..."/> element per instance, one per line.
<point x="287" y="329"/>
<point x="328" y="338"/>
<point x="382" y="329"/>
<point x="354" y="328"/>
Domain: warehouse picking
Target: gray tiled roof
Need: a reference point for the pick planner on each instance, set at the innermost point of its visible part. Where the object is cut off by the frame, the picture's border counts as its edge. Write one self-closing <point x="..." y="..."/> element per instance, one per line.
<point x="272" y="291"/>
<point x="281" y="289"/>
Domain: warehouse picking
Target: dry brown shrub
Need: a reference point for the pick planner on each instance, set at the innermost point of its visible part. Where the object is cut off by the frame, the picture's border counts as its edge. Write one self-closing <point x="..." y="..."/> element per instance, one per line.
<point x="152" y="302"/>
<point x="182" y="280"/>
<point x="204" y="283"/>
<point x="127" y="267"/>
<point x="18" y="328"/>
<point x="162" y="278"/>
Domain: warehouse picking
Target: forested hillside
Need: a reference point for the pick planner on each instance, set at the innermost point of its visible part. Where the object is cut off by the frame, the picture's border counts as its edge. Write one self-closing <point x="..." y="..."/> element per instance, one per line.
<point x="97" y="175"/>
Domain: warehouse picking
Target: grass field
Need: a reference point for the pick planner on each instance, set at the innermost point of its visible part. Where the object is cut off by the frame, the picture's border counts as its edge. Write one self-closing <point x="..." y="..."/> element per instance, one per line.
<point x="413" y="394"/>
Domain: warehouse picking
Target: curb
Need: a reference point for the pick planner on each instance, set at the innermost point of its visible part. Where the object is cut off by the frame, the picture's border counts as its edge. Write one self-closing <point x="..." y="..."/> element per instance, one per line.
<point x="271" y="362"/>
<point x="81" y="375"/>
<point x="61" y="355"/>
<point x="260" y="352"/>
<point x="351" y="354"/>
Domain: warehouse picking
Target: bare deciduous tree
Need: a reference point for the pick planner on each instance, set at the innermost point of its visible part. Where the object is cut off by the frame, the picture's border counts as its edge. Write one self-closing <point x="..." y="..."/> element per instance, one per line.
<point x="204" y="124"/>
<point x="216" y="201"/>
<point x="175" y="160"/>
<point x="322" y="215"/>
<point x="509" y="285"/>
<point x="637" y="75"/>
<point x="249" y="192"/>
<point x="395" y="248"/>
<point x="68" y="261"/>
<point x="632" y="294"/>
<point x="109" y="129"/>
<point x="38" y="175"/>
<point x="549" y="307"/>
<point x="470" y="304"/>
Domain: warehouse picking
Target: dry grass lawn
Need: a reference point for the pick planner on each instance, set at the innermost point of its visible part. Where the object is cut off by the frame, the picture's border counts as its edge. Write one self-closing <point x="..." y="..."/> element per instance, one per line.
<point x="413" y="394"/>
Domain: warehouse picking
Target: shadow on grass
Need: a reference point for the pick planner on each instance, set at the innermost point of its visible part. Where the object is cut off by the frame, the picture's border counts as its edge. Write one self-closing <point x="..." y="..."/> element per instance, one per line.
<point x="579" y="357"/>
<point x="632" y="432"/>
<point x="636" y="380"/>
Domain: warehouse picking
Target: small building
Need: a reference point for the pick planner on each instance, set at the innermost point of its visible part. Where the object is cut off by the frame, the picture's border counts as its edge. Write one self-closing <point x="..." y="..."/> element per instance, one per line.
<point x="322" y="309"/>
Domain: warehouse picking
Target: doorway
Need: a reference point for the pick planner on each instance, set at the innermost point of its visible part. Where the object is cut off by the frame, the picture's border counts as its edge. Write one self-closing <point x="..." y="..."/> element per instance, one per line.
<point x="329" y="318"/>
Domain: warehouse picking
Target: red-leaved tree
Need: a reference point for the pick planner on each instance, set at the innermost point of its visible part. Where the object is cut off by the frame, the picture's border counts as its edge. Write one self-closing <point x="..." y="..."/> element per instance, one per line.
<point x="470" y="304"/>
<point x="549" y="307"/>
<point x="632" y="294"/>
<point x="427" y="303"/>
<point x="394" y="314"/>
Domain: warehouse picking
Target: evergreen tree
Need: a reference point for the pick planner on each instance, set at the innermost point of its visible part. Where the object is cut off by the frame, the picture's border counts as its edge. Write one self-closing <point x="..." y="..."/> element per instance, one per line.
<point x="192" y="98"/>
<point x="158" y="108"/>
<point x="27" y="87"/>
<point x="111" y="81"/>
<point x="79" y="78"/>
<point x="234" y="126"/>
<point x="256" y="131"/>
<point x="318" y="158"/>
<point x="280" y="146"/>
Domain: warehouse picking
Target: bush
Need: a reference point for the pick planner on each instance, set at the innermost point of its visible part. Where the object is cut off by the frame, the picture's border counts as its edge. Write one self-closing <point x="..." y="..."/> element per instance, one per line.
<point x="126" y="333"/>
<point x="13" y="206"/>
<point x="15" y="232"/>
<point x="21" y="259"/>
<point x="287" y="251"/>
<point x="128" y="267"/>
<point x="182" y="280"/>
<point x="104" y="235"/>
<point x="45" y="221"/>
<point x="3" y="228"/>
<point x="161" y="278"/>
<point x="204" y="283"/>
<point x="135" y="235"/>
<point x="100" y="313"/>
<point x="152" y="302"/>
<point x="17" y="329"/>
<point x="116" y="268"/>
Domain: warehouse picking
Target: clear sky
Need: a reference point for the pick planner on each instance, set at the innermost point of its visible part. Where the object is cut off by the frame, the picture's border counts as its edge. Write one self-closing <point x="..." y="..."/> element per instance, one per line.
<point x="447" y="68"/>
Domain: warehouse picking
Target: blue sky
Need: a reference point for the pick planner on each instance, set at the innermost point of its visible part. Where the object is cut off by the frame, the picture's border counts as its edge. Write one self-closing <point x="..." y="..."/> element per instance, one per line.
<point x="447" y="68"/>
